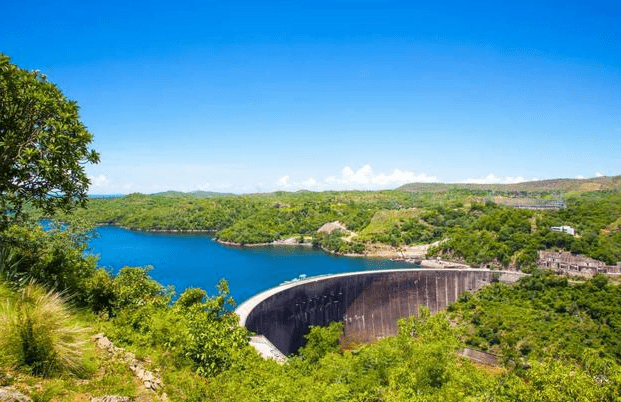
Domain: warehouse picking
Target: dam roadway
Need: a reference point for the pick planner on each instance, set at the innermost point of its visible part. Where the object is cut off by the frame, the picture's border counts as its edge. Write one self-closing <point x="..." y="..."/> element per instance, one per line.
<point x="369" y="303"/>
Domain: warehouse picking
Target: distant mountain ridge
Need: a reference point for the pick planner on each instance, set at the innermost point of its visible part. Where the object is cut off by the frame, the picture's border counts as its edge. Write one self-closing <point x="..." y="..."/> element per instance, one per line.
<point x="197" y="194"/>
<point x="538" y="186"/>
<point x="543" y="186"/>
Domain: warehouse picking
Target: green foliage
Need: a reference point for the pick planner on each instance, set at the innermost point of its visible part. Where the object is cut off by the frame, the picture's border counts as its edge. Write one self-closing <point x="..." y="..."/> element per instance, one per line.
<point x="320" y="341"/>
<point x="189" y="297"/>
<point x="544" y="317"/>
<point x="197" y="330"/>
<point x="100" y="294"/>
<point x="214" y="339"/>
<point x="43" y="144"/>
<point x="37" y="332"/>
<point x="418" y="365"/>
<point x="500" y="236"/>
<point x="133" y="288"/>
<point x="54" y="258"/>
<point x="247" y="219"/>
<point x="407" y="226"/>
<point x="557" y="339"/>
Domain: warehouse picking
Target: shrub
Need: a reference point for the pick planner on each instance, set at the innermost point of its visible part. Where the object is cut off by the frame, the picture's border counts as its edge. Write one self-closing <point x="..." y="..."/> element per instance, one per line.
<point x="321" y="341"/>
<point x="54" y="258"/>
<point x="100" y="295"/>
<point x="37" y="333"/>
<point x="211" y="336"/>
<point x="190" y="297"/>
<point x="133" y="288"/>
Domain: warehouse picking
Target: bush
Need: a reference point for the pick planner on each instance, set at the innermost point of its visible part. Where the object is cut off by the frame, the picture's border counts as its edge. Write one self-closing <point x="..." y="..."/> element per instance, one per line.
<point x="211" y="336"/>
<point x="37" y="333"/>
<point x="100" y="294"/>
<point x="321" y="341"/>
<point x="54" y="258"/>
<point x="133" y="288"/>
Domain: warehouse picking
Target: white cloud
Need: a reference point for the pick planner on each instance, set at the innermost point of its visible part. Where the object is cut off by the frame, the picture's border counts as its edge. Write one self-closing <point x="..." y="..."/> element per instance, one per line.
<point x="362" y="179"/>
<point x="208" y="187"/>
<point x="366" y="177"/>
<point x="493" y="179"/>
<point x="99" y="181"/>
<point x="284" y="181"/>
<point x="598" y="174"/>
<point x="310" y="182"/>
<point x="580" y="177"/>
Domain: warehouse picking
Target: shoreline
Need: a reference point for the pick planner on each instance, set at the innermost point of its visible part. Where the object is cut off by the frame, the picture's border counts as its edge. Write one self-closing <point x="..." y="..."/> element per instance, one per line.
<point x="411" y="255"/>
<point x="393" y="255"/>
<point x="158" y="230"/>
<point x="291" y="241"/>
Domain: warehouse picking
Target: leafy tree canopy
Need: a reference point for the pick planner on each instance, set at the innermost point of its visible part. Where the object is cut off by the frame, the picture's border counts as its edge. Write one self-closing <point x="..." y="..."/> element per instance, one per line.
<point x="43" y="144"/>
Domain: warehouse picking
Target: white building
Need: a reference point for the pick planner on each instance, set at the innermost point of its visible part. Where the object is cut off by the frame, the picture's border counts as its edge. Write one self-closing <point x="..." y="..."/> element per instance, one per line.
<point x="564" y="229"/>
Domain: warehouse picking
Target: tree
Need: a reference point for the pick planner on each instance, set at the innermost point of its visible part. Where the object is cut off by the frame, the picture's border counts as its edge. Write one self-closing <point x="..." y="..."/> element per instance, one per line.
<point x="43" y="145"/>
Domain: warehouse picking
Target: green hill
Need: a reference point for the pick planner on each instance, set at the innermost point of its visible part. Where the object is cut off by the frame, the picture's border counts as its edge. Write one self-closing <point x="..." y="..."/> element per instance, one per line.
<point x="539" y="186"/>
<point x="197" y="194"/>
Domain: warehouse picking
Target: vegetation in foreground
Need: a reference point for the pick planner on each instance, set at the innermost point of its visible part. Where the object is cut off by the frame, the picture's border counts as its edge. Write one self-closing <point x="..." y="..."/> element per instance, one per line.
<point x="556" y="341"/>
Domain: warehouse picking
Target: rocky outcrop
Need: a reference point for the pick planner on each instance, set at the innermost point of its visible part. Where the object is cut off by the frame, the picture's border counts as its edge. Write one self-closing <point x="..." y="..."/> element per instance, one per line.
<point x="151" y="381"/>
<point x="329" y="227"/>
<point x="112" y="398"/>
<point x="7" y="394"/>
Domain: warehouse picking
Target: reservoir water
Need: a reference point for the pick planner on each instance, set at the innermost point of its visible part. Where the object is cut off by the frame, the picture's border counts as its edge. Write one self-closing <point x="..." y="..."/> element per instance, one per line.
<point x="197" y="260"/>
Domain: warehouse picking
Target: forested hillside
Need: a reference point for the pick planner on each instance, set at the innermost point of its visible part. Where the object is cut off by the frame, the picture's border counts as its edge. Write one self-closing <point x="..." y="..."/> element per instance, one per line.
<point x="469" y="225"/>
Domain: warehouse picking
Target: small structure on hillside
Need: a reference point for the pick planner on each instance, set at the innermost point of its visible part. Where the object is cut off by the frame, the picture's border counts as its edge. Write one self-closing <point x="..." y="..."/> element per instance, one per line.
<point x="532" y="203"/>
<point x="564" y="229"/>
<point x="563" y="262"/>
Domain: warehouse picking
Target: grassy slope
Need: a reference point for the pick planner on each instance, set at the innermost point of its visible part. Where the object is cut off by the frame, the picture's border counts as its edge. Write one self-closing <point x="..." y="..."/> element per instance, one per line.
<point x="540" y="186"/>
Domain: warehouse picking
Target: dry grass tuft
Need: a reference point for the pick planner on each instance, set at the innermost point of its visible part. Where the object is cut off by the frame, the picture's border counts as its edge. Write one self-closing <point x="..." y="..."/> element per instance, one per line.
<point x="37" y="332"/>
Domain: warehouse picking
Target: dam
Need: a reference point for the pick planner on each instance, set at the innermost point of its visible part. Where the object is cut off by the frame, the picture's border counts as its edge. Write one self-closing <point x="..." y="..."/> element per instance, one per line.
<point x="369" y="303"/>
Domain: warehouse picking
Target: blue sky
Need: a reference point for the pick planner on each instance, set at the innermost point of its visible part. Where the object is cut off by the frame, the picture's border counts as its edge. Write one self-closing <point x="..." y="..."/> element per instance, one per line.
<point x="257" y="96"/>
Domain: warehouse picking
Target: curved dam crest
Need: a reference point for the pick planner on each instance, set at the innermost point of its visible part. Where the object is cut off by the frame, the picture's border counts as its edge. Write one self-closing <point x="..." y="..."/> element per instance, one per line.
<point x="369" y="303"/>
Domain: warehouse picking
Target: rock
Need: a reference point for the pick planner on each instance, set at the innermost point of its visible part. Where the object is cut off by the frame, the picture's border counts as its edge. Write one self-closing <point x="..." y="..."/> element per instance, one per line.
<point x="150" y="381"/>
<point x="10" y="395"/>
<point x="112" y="398"/>
<point x="331" y="226"/>
<point x="104" y="343"/>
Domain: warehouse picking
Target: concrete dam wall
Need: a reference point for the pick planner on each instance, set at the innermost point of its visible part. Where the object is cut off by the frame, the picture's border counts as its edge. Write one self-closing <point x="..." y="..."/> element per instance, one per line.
<point x="369" y="303"/>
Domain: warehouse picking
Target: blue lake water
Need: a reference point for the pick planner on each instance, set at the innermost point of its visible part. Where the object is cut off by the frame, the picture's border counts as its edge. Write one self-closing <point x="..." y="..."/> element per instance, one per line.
<point x="197" y="260"/>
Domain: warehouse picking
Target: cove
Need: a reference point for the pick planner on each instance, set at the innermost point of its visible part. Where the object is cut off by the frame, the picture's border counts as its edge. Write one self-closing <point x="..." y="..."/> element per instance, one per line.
<point x="197" y="260"/>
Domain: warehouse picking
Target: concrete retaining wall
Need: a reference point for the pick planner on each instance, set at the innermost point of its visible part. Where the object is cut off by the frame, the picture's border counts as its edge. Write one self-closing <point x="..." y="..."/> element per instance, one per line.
<point x="369" y="303"/>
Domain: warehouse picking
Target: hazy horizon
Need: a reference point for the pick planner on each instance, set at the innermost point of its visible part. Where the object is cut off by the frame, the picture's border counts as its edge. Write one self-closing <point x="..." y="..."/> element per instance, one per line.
<point x="112" y="195"/>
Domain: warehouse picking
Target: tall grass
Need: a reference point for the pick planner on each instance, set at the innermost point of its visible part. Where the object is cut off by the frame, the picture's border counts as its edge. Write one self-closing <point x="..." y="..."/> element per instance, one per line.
<point x="37" y="332"/>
